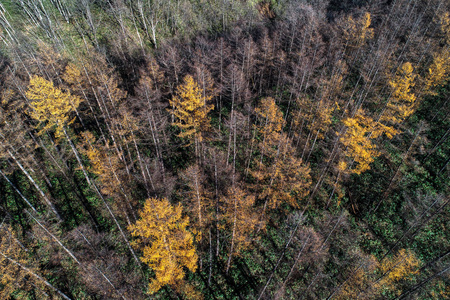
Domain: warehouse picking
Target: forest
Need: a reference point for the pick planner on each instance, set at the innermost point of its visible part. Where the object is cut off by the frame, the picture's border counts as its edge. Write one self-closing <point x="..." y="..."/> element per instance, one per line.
<point x="224" y="149"/>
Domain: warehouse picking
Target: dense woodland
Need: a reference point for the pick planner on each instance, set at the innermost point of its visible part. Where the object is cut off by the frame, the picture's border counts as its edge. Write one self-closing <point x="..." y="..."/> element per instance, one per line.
<point x="191" y="149"/>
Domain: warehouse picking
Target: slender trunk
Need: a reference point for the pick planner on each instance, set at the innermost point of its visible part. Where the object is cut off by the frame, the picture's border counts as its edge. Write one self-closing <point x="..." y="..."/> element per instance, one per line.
<point x="406" y="294"/>
<point x="232" y="235"/>
<point x="18" y="192"/>
<point x="397" y="171"/>
<point x="117" y="224"/>
<point x="41" y="192"/>
<point x="71" y="254"/>
<point x="75" y="152"/>
<point x="295" y="263"/>
<point x="36" y="275"/>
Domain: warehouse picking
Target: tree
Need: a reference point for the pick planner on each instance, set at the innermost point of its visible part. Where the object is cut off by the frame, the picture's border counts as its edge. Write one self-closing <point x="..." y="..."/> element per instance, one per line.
<point x="438" y="71"/>
<point x="361" y="279"/>
<point x="440" y="67"/>
<point x="13" y="142"/>
<point x="199" y="197"/>
<point x="356" y="32"/>
<point x="271" y="122"/>
<point x="18" y="276"/>
<point x="403" y="100"/>
<point x="166" y="243"/>
<point x="190" y="109"/>
<point x="444" y="23"/>
<point x="109" y="171"/>
<point x="13" y="277"/>
<point x="397" y="268"/>
<point x="282" y="178"/>
<point x="239" y="214"/>
<point x="51" y="105"/>
<point x="315" y="116"/>
<point x="357" y="142"/>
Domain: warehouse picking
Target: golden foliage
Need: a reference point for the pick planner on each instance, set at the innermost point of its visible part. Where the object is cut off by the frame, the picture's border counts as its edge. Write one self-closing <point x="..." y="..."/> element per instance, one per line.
<point x="440" y="67"/>
<point x="438" y="71"/>
<point x="50" y="105"/>
<point x="266" y="10"/>
<point x="403" y="100"/>
<point x="166" y="244"/>
<point x="271" y="121"/>
<point x="362" y="283"/>
<point x="444" y="23"/>
<point x="399" y="267"/>
<point x="104" y="165"/>
<point x="281" y="176"/>
<point x="357" y="141"/>
<point x="357" y="31"/>
<point x="73" y="75"/>
<point x="190" y="109"/>
<point x="14" y="278"/>
<point x="316" y="116"/>
<point x="113" y="180"/>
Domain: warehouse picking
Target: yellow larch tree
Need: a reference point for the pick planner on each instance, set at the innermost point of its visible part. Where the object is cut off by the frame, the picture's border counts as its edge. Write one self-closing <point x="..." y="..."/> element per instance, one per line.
<point x="440" y="67"/>
<point x="316" y="117"/>
<point x="50" y="105"/>
<point x="166" y="244"/>
<point x="438" y="71"/>
<point x="373" y="276"/>
<point x="402" y="102"/>
<point x="444" y="24"/>
<point x="357" y="142"/>
<point x="190" y="108"/>
<point x="397" y="268"/>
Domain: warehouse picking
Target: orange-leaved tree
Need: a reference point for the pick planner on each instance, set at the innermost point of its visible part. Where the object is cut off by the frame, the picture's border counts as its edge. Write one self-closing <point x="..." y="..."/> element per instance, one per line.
<point x="166" y="244"/>
<point x="191" y="110"/>
<point x="50" y="105"/>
